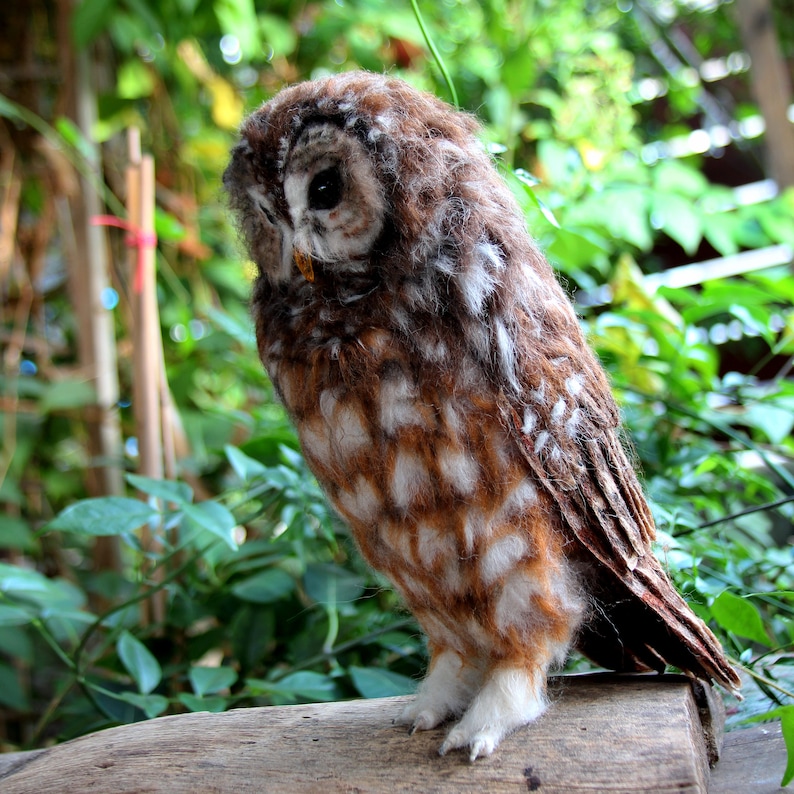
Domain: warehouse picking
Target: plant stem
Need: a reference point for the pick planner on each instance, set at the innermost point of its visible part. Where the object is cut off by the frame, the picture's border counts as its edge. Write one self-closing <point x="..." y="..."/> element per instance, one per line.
<point x="346" y="646"/>
<point x="435" y="53"/>
<point x="762" y="678"/>
<point x="745" y="512"/>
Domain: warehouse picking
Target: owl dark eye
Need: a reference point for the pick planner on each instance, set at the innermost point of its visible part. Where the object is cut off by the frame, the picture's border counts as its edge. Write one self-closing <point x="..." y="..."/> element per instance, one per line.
<point x="325" y="189"/>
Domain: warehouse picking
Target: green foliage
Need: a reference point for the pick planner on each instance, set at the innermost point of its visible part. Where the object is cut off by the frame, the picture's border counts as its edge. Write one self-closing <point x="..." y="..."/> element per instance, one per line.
<point x="265" y="598"/>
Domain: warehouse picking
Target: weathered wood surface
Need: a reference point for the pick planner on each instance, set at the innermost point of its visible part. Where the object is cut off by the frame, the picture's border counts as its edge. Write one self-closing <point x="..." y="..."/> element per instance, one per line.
<point x="752" y="762"/>
<point x="601" y="734"/>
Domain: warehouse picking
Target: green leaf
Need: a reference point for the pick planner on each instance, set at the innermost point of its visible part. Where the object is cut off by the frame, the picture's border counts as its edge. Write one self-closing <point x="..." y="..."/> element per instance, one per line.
<point x="246" y="468"/>
<point x="89" y="18"/>
<point x="197" y="703"/>
<point x="786" y="714"/>
<point x="32" y="586"/>
<point x="678" y="218"/>
<point x="304" y="685"/>
<point x="671" y="176"/>
<point x="168" y="490"/>
<point x="278" y="33"/>
<point x="16" y="534"/>
<point x="238" y="18"/>
<point x="209" y="680"/>
<point x="573" y="249"/>
<point x="215" y="518"/>
<point x="14" y="615"/>
<point x="167" y="227"/>
<point x="13" y="693"/>
<point x="719" y="230"/>
<point x="372" y="682"/>
<point x="104" y="515"/>
<point x="332" y="584"/>
<point x="135" y="80"/>
<point x="265" y="587"/>
<point x="139" y="662"/>
<point x="776" y="423"/>
<point x="66" y="395"/>
<point x="518" y="70"/>
<point x="151" y="705"/>
<point x="739" y="616"/>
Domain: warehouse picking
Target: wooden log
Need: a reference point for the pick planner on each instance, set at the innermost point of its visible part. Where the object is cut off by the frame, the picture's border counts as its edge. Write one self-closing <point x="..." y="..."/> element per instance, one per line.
<point x="602" y="733"/>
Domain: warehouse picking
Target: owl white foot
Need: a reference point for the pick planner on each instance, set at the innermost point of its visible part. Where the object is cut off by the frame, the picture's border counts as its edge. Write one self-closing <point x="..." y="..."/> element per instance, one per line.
<point x="447" y="690"/>
<point x="509" y="699"/>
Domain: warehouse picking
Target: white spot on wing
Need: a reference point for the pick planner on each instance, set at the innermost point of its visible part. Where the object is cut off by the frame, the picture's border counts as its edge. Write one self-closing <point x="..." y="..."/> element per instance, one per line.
<point x="530" y="420"/>
<point x="398" y="404"/>
<point x="349" y="430"/>
<point x="574" y="384"/>
<point x="459" y="469"/>
<point x="408" y="479"/>
<point x="571" y="426"/>
<point x="518" y="501"/>
<point x="501" y="557"/>
<point x="558" y="411"/>
<point x="361" y="503"/>
<point x="515" y="601"/>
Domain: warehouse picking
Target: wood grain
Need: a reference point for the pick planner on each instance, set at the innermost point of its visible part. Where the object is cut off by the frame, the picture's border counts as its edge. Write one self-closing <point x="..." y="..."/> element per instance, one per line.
<point x="601" y="734"/>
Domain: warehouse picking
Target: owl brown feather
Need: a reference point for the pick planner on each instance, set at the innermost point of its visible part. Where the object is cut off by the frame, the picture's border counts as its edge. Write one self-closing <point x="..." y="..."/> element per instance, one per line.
<point x="447" y="401"/>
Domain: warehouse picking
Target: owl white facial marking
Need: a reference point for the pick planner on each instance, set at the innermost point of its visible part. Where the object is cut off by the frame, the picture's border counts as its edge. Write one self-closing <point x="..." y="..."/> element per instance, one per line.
<point x="335" y="200"/>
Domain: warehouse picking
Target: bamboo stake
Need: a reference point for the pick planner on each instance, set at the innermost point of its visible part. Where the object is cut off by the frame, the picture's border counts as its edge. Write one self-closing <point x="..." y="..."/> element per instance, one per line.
<point x="148" y="367"/>
<point x="88" y="279"/>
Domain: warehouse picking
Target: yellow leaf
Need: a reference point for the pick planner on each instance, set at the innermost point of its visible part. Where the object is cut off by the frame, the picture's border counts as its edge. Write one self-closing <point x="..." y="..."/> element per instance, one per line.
<point x="227" y="106"/>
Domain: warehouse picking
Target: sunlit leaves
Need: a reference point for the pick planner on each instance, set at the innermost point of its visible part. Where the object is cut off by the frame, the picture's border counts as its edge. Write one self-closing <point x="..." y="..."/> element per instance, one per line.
<point x="739" y="616"/>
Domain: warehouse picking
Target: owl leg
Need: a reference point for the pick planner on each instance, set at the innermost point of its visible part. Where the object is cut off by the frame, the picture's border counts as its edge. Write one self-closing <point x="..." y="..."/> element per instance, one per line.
<point x="511" y="697"/>
<point x="446" y="691"/>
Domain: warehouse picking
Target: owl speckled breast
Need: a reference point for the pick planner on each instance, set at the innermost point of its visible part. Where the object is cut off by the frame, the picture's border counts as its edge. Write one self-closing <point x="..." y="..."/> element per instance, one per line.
<point x="424" y="472"/>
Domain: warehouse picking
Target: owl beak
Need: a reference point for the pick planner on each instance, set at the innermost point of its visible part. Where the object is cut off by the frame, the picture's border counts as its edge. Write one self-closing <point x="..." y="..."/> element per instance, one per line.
<point x="304" y="263"/>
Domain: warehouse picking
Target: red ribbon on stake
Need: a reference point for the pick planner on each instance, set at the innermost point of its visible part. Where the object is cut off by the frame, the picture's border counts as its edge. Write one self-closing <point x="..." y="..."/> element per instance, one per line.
<point x="136" y="238"/>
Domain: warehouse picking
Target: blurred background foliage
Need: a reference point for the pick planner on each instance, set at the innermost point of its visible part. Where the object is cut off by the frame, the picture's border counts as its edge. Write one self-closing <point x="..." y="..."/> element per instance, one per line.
<point x="631" y="136"/>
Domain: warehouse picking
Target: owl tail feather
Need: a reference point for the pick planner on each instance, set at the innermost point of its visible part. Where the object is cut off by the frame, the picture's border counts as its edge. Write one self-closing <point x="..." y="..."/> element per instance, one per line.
<point x="638" y="620"/>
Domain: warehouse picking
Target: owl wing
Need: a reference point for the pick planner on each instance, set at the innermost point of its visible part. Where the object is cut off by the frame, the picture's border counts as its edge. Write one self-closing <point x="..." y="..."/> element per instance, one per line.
<point x="638" y="620"/>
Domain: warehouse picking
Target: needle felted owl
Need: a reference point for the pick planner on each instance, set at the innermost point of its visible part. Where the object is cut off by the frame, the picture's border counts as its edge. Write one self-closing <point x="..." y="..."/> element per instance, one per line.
<point x="447" y="401"/>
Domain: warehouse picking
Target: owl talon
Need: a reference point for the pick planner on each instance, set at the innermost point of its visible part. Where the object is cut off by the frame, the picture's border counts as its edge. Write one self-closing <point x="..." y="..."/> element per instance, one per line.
<point x="509" y="699"/>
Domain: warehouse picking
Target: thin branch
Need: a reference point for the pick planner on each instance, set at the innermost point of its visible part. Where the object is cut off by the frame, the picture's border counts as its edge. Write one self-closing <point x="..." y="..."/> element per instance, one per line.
<point x="745" y="512"/>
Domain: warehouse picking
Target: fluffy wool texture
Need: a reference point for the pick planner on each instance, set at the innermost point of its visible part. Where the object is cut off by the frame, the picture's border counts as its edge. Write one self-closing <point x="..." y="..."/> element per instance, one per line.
<point x="448" y="403"/>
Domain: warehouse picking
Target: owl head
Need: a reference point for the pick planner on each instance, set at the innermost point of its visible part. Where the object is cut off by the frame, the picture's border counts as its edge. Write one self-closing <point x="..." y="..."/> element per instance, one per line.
<point x="361" y="175"/>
